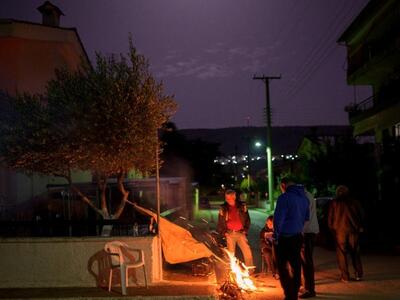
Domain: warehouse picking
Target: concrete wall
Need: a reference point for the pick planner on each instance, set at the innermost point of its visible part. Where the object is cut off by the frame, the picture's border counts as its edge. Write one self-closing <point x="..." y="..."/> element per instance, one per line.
<point x="69" y="262"/>
<point x="17" y="188"/>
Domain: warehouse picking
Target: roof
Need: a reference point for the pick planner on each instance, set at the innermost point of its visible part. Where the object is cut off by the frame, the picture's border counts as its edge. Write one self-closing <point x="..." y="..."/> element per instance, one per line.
<point x="48" y="6"/>
<point x="73" y="29"/>
<point x="367" y="16"/>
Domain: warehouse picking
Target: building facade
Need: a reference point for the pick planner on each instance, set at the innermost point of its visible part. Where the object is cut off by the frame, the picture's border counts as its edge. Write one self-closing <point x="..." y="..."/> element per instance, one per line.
<point x="29" y="55"/>
<point x="373" y="55"/>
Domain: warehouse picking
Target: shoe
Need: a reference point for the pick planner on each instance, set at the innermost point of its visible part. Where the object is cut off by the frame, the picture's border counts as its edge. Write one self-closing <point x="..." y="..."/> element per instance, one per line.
<point x="276" y="276"/>
<point x="344" y="280"/>
<point x="307" y="294"/>
<point x="358" y="278"/>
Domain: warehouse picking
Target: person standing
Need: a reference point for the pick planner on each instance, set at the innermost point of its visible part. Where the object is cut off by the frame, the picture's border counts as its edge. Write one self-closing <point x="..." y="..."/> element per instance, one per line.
<point x="345" y="218"/>
<point x="292" y="211"/>
<point x="267" y="246"/>
<point x="310" y="231"/>
<point x="234" y="224"/>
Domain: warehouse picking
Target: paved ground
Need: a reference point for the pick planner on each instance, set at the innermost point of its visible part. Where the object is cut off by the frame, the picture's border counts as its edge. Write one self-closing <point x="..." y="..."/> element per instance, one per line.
<point x="382" y="272"/>
<point x="161" y="291"/>
<point x="382" y="279"/>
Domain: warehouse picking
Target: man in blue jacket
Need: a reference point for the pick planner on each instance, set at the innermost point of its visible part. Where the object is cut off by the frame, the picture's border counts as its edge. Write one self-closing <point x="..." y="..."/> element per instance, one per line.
<point x="292" y="211"/>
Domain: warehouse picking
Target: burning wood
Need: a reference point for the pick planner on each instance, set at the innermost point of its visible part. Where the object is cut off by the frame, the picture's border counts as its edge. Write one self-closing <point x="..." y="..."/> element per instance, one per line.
<point x="238" y="280"/>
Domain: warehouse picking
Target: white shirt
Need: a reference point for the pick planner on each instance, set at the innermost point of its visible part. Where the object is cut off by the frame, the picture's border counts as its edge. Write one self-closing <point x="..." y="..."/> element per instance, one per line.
<point x="311" y="226"/>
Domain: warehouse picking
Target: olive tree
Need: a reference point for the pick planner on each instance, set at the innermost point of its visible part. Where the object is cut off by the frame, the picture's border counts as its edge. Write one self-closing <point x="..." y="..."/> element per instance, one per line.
<point x="101" y="118"/>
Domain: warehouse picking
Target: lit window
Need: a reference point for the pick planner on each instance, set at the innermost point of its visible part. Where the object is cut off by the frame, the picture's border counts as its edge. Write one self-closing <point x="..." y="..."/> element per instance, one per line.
<point x="397" y="130"/>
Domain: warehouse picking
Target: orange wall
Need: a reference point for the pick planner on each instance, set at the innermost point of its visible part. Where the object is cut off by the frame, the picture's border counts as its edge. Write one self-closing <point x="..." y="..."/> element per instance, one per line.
<point x="27" y="65"/>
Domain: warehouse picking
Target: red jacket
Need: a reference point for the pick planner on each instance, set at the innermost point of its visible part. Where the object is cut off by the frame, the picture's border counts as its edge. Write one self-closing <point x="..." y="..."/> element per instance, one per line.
<point x="223" y="217"/>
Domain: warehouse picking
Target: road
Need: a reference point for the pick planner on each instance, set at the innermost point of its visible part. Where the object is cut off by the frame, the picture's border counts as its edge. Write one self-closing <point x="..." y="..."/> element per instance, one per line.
<point x="382" y="272"/>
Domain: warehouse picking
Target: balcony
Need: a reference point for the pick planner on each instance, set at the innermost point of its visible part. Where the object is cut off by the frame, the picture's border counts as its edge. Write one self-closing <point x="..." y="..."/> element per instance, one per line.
<point x="373" y="111"/>
<point x="374" y="60"/>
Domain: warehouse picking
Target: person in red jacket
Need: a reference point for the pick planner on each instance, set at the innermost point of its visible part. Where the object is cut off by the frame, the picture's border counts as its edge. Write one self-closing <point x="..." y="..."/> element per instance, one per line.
<point x="234" y="224"/>
<point x="345" y="219"/>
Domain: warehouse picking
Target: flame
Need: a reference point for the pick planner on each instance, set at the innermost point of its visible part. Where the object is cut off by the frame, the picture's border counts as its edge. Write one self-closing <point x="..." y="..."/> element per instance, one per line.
<point x="240" y="273"/>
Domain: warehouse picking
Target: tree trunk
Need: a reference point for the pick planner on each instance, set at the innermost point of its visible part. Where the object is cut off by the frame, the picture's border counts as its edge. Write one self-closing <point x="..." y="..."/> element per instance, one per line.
<point x="102" y="184"/>
<point x="124" y="198"/>
<point x="83" y="197"/>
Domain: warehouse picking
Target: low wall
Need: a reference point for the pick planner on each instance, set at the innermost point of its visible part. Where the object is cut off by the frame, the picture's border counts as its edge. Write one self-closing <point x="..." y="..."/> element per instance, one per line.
<point x="69" y="262"/>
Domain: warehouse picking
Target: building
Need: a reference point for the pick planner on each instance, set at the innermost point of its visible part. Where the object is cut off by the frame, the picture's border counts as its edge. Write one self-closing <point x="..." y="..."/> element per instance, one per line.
<point x="373" y="53"/>
<point x="29" y="54"/>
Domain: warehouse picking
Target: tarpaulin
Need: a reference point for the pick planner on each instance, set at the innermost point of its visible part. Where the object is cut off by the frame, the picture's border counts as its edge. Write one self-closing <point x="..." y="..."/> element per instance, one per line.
<point x="178" y="244"/>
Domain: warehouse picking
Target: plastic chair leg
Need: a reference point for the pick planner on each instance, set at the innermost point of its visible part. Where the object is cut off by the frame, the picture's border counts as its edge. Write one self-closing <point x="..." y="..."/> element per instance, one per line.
<point x="145" y="276"/>
<point x="123" y="279"/>
<point x="110" y="280"/>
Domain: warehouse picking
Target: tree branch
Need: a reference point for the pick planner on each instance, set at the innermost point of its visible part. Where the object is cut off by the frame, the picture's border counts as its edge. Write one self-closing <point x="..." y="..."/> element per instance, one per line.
<point x="87" y="200"/>
<point x="124" y="198"/>
<point x="102" y="184"/>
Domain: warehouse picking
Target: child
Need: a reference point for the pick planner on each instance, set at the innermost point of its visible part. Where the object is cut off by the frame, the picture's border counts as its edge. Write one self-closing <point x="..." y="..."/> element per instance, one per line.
<point x="267" y="246"/>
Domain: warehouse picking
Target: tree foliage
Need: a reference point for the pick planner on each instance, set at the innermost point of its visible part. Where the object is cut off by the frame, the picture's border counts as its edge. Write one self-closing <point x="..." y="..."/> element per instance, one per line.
<point x="324" y="165"/>
<point x="191" y="158"/>
<point x="103" y="119"/>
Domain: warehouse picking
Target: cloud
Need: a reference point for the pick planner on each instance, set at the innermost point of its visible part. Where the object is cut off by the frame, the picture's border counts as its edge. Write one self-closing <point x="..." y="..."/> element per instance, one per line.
<point x="217" y="61"/>
<point x="194" y="67"/>
<point x="214" y="71"/>
<point x="171" y="54"/>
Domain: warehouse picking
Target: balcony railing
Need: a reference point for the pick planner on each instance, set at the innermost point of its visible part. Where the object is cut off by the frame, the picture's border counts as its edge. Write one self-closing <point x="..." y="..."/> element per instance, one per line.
<point x="371" y="105"/>
<point x="362" y="106"/>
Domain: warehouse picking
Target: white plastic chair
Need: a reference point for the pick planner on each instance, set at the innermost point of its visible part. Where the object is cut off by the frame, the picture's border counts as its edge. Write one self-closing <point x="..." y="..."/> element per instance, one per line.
<point x="121" y="258"/>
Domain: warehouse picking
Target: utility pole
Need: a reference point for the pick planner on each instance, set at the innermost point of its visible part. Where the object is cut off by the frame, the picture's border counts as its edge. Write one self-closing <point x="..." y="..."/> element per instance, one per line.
<point x="157" y="154"/>
<point x="248" y="158"/>
<point x="268" y="150"/>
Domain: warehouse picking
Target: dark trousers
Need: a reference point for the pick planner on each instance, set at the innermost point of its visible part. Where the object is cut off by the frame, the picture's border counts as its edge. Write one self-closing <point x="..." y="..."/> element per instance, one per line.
<point x="348" y="243"/>
<point x="269" y="257"/>
<point x="289" y="264"/>
<point x="307" y="262"/>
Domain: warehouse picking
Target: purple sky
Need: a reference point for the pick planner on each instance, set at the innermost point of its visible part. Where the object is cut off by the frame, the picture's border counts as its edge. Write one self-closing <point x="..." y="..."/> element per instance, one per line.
<point x="206" y="52"/>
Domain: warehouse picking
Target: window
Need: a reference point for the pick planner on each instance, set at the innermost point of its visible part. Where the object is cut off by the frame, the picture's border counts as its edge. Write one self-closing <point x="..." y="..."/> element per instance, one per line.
<point x="396" y="130"/>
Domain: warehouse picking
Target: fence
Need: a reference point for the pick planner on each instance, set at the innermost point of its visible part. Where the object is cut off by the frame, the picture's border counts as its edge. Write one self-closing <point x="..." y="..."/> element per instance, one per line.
<point x="78" y="228"/>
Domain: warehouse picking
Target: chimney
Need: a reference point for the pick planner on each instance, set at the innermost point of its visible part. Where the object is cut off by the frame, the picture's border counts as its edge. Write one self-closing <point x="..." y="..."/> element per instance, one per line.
<point x="50" y="14"/>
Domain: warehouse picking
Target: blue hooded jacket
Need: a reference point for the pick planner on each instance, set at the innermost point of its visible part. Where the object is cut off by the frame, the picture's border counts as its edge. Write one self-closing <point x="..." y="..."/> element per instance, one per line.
<point x="291" y="212"/>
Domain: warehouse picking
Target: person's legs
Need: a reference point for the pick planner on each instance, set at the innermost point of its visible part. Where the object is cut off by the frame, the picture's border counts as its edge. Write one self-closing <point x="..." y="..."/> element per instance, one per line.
<point x="274" y="260"/>
<point x="243" y="244"/>
<point x="341" y="255"/>
<point x="267" y="256"/>
<point x="307" y="262"/>
<point x="282" y="263"/>
<point x="231" y="242"/>
<point x="355" y="255"/>
<point x="295" y="262"/>
<point x="288" y="255"/>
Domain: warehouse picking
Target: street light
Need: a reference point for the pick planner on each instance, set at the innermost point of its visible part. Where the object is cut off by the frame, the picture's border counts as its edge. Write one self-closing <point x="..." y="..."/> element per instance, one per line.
<point x="257" y="144"/>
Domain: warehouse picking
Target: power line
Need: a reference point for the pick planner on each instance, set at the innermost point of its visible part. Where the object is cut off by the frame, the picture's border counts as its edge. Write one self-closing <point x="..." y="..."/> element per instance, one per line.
<point x="320" y="50"/>
<point x="322" y="57"/>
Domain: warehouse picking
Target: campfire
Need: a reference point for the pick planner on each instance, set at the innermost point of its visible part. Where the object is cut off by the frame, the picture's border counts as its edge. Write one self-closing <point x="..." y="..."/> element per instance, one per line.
<point x="238" y="279"/>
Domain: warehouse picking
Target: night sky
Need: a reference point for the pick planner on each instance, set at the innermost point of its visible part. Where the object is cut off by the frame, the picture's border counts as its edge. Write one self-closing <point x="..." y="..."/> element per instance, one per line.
<point x="207" y="51"/>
